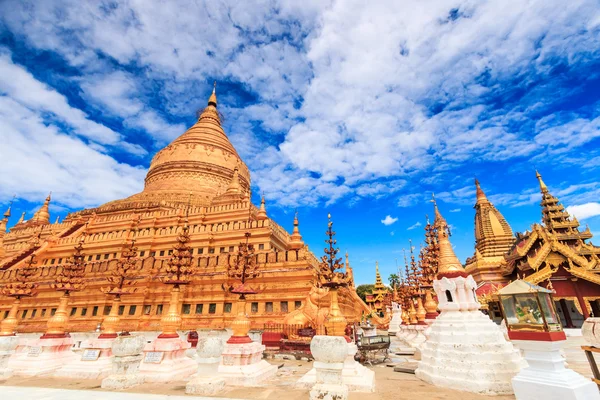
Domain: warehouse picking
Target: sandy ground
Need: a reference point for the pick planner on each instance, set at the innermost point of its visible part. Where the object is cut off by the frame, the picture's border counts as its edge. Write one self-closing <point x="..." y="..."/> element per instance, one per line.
<point x="389" y="384"/>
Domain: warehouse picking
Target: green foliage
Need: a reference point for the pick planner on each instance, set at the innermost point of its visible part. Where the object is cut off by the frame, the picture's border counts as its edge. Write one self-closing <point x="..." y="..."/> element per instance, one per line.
<point x="394" y="280"/>
<point x="363" y="290"/>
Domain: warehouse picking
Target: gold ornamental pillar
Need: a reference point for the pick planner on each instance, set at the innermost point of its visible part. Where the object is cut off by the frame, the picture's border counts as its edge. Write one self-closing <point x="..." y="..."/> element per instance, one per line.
<point x="430" y="305"/>
<point x="336" y="322"/>
<point x="9" y="325"/>
<point x="412" y="314"/>
<point x="421" y="313"/>
<point x="110" y="324"/>
<point x="171" y="322"/>
<point x="57" y="324"/>
<point x="241" y="324"/>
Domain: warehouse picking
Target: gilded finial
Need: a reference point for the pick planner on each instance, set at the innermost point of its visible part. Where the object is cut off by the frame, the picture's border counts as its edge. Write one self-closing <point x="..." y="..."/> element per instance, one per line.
<point x="7" y="213"/>
<point x="543" y="186"/>
<point x="22" y="218"/>
<point x="212" y="100"/>
<point x="481" y="197"/>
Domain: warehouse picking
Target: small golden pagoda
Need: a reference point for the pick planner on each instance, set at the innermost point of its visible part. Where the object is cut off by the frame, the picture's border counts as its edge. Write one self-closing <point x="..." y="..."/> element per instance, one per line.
<point x="493" y="239"/>
<point x="376" y="299"/>
<point x="200" y="173"/>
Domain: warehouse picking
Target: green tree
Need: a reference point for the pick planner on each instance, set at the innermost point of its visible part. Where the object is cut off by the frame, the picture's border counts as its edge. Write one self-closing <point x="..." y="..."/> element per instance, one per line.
<point x="394" y="280"/>
<point x="363" y="290"/>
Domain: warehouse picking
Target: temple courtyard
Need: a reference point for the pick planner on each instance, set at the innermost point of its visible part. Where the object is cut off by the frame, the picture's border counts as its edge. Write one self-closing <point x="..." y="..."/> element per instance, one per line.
<point x="389" y="384"/>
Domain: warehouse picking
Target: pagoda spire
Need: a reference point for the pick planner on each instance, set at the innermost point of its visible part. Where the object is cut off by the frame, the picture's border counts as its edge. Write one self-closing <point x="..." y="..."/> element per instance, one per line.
<point x="212" y="100"/>
<point x="262" y="212"/>
<point x="378" y="281"/>
<point x="543" y="186"/>
<point x="7" y="213"/>
<point x="493" y="235"/>
<point x="448" y="264"/>
<point x="210" y="111"/>
<point x="20" y="221"/>
<point x="296" y="239"/>
<point x="555" y="217"/>
<point x="234" y="185"/>
<point x="42" y="216"/>
<point x="481" y="197"/>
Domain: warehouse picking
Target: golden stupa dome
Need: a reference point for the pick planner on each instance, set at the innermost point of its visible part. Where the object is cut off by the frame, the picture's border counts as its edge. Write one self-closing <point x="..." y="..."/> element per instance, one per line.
<point x="201" y="162"/>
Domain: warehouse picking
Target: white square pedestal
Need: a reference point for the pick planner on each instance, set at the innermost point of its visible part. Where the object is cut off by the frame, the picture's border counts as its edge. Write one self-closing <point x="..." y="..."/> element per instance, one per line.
<point x="42" y="356"/>
<point x="95" y="361"/>
<point x="355" y="376"/>
<point x="546" y="376"/>
<point x="242" y="364"/>
<point x="165" y="361"/>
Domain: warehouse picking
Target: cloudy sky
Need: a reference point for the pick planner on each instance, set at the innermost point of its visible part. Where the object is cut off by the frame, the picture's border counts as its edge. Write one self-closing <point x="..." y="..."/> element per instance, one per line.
<point x="336" y="107"/>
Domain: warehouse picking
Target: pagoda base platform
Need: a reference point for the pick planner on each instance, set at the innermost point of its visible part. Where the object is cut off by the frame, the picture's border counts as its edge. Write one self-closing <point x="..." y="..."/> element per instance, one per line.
<point x="242" y="364"/>
<point x="8" y="344"/>
<point x="165" y="361"/>
<point x="412" y="336"/>
<point x="546" y="376"/>
<point x="355" y="376"/>
<point x="467" y="351"/>
<point x="95" y="361"/>
<point x="43" y="356"/>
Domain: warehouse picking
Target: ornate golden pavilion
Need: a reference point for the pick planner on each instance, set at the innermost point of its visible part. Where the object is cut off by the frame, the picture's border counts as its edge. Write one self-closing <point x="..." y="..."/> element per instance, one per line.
<point x="199" y="178"/>
<point x="555" y="254"/>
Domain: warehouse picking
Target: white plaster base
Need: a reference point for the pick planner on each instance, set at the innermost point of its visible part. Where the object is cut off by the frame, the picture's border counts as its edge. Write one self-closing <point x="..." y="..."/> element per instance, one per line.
<point x="467" y="351"/>
<point x="175" y="365"/>
<point x="205" y="385"/>
<point x="242" y="364"/>
<point x="355" y="376"/>
<point x="55" y="353"/>
<point x="395" y="322"/>
<point x="8" y="344"/>
<point x="96" y="369"/>
<point x="547" y="378"/>
<point x="124" y="374"/>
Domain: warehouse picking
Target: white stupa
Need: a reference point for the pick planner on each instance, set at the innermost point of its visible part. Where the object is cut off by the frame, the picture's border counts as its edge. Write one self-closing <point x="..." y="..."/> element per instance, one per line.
<point x="466" y="350"/>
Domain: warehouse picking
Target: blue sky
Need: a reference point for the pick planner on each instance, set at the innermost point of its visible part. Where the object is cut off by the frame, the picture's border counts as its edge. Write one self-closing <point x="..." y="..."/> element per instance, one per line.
<point x="361" y="114"/>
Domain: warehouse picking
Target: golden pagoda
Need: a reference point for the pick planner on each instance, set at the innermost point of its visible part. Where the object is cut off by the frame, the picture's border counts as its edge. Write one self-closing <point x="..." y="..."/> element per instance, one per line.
<point x="376" y="299"/>
<point x="493" y="239"/>
<point x="199" y="174"/>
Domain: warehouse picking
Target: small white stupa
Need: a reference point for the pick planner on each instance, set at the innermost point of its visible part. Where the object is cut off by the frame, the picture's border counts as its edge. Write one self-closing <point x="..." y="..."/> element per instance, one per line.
<point x="466" y="350"/>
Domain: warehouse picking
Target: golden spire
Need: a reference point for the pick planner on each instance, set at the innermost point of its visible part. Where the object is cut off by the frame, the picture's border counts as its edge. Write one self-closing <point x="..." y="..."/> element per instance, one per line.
<point x="296" y="239"/>
<point x="42" y="216"/>
<point x="378" y="282"/>
<point x="543" y="186"/>
<point x="438" y="220"/>
<point x="481" y="197"/>
<point x="234" y="185"/>
<point x="22" y="218"/>
<point x="7" y="213"/>
<point x="57" y="219"/>
<point x="262" y="212"/>
<point x="212" y="100"/>
<point x="448" y="264"/>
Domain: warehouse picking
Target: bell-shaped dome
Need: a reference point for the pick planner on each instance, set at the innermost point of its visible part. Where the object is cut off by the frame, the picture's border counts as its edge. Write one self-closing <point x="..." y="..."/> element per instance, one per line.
<point x="201" y="162"/>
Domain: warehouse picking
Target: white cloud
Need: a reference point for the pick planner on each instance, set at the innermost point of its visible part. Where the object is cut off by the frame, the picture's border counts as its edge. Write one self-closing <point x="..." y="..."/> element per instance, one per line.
<point x="367" y="82"/>
<point x="389" y="220"/>
<point x="416" y="225"/>
<point x="455" y="210"/>
<point x="584" y="211"/>
<point x="21" y="86"/>
<point x="41" y="159"/>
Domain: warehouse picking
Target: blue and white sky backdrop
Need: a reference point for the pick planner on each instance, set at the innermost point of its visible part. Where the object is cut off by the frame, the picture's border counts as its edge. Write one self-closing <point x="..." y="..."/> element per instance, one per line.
<point x="336" y="106"/>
